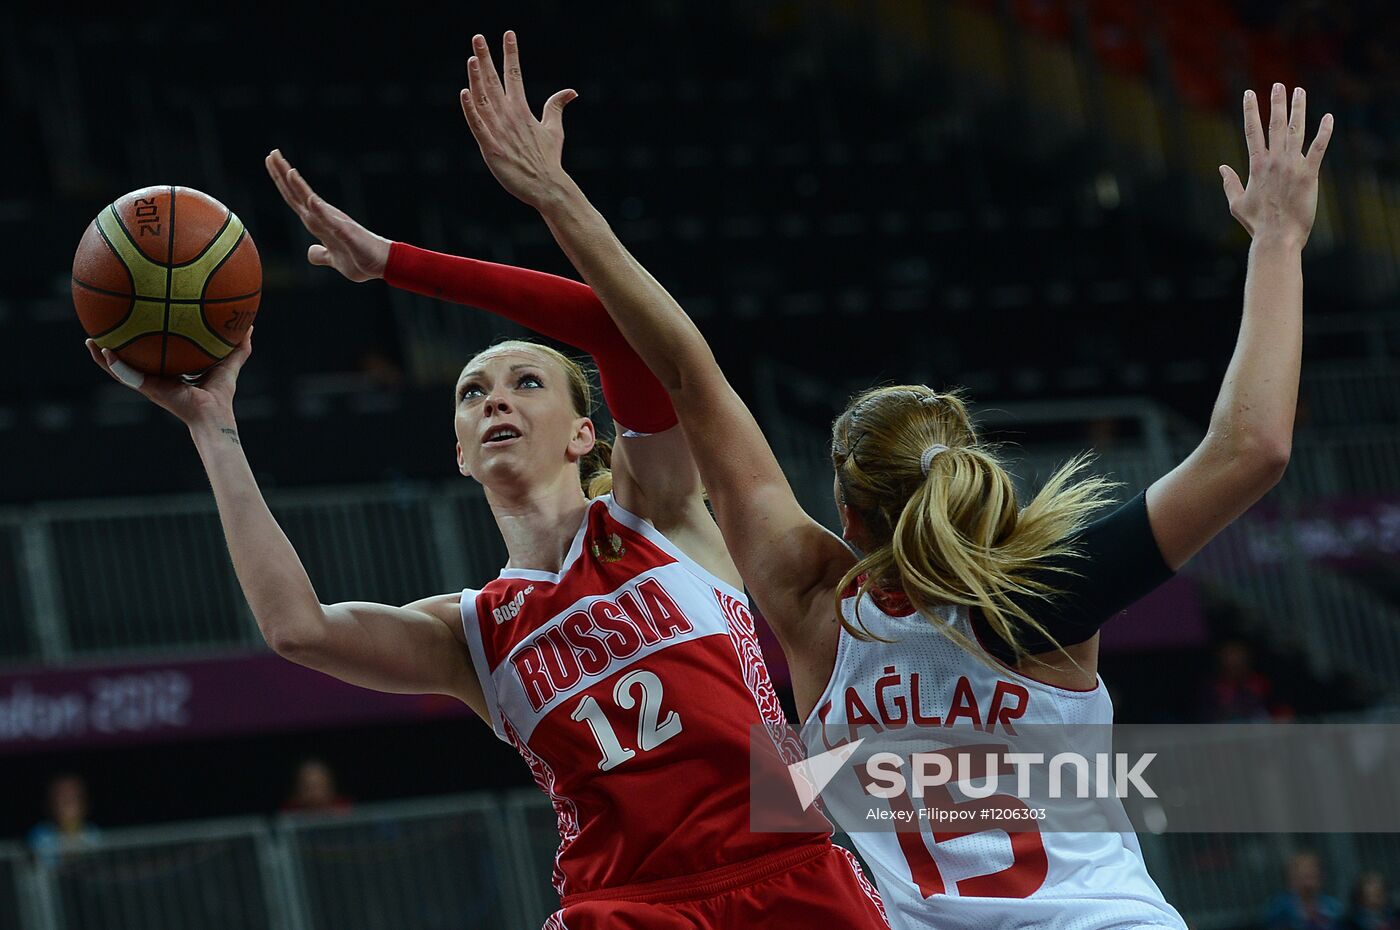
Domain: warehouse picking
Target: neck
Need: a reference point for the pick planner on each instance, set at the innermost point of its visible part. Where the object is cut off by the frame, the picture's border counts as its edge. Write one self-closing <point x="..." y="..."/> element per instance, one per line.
<point x="538" y="524"/>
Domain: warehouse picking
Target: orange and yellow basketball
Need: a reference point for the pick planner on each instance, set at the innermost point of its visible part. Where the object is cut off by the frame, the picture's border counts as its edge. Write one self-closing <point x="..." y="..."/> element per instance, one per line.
<point x="168" y="279"/>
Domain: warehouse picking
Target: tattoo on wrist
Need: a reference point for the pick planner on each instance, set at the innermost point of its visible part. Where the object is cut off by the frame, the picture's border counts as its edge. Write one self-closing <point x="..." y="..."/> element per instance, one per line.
<point x="231" y="434"/>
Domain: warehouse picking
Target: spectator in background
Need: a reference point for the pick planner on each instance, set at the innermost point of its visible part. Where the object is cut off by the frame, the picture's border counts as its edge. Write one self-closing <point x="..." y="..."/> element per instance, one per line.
<point x="1370" y="905"/>
<point x="1238" y="693"/>
<point x="1304" y="906"/>
<point x="67" y="830"/>
<point x="314" y="790"/>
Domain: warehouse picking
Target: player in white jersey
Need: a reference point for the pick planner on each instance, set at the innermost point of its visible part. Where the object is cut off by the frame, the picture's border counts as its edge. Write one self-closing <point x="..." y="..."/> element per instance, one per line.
<point x="937" y="521"/>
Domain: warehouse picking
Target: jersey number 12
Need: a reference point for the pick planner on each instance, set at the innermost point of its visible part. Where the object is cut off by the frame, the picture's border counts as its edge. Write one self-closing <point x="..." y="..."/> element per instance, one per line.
<point x="652" y="731"/>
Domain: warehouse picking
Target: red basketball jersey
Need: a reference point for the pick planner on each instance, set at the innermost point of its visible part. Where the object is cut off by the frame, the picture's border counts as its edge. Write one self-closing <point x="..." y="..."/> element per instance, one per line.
<point x="630" y="682"/>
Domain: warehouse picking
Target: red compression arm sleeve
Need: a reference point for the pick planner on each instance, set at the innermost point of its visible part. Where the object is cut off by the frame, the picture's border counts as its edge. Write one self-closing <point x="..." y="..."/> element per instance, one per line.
<point x="553" y="306"/>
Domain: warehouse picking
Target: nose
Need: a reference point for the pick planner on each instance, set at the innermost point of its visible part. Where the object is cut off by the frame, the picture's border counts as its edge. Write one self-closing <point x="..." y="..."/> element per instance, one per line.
<point x="495" y="403"/>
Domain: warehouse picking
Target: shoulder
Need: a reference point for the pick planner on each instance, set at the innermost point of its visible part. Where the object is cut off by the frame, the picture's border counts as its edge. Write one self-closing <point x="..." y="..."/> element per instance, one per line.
<point x="445" y="608"/>
<point x="687" y="530"/>
<point x="438" y="604"/>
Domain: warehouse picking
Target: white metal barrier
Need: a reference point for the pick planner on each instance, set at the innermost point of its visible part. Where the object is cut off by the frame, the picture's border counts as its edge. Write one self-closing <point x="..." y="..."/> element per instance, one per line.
<point x="216" y="875"/>
<point x="439" y="864"/>
<point x="533" y="825"/>
<point x="17" y="894"/>
<point x="484" y="861"/>
<point x="149" y="576"/>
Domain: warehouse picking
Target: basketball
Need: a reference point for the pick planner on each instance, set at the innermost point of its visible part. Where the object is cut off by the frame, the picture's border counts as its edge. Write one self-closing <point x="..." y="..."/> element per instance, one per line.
<point x="168" y="279"/>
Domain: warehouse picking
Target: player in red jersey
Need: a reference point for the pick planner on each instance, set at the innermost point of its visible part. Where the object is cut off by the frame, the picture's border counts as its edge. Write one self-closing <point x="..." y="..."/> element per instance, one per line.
<point x="955" y="575"/>
<point x="615" y="651"/>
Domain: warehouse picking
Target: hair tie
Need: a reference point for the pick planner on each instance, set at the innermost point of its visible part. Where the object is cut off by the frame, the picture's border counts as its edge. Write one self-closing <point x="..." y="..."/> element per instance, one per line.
<point x="929" y="455"/>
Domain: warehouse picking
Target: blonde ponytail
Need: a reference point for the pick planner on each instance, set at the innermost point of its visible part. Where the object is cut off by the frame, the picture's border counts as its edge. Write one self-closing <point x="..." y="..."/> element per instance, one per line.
<point x="946" y="527"/>
<point x="595" y="470"/>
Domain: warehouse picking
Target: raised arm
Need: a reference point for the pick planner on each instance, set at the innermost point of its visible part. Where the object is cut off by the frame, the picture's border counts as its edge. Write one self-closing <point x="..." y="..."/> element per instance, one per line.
<point x="1247" y="446"/>
<point x="653" y="472"/>
<point x="413" y="649"/>
<point x="789" y="561"/>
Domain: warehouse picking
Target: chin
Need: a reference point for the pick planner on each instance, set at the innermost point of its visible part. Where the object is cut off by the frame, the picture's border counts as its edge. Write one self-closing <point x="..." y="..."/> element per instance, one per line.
<point x="502" y="472"/>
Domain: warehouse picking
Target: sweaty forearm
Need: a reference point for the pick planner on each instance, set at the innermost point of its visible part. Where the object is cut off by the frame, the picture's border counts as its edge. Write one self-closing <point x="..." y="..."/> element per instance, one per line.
<point x="1259" y="396"/>
<point x="648" y="316"/>
<point x="283" y="601"/>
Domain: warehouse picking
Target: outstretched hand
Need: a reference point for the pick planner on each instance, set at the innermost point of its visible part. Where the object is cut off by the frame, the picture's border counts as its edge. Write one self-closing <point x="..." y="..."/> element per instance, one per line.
<point x="345" y="245"/>
<point x="523" y="153"/>
<point x="211" y="395"/>
<point x="1281" y="199"/>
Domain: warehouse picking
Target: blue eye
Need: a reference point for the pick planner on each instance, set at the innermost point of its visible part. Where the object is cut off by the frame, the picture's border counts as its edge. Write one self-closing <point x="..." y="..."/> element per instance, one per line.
<point x="469" y="390"/>
<point x="529" y="381"/>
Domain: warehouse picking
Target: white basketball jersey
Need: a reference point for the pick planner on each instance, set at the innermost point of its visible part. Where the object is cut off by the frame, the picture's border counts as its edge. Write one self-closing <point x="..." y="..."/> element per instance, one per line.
<point x="967" y="878"/>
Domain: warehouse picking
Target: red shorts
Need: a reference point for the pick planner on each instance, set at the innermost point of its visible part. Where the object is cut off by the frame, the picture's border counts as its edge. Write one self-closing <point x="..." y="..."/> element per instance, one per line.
<point x="817" y="886"/>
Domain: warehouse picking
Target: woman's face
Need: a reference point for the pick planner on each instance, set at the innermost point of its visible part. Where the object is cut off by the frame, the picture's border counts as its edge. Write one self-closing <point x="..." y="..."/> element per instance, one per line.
<point x="515" y="419"/>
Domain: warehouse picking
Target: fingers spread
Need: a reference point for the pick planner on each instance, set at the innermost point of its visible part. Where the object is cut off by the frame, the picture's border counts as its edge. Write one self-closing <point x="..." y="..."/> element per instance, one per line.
<point x="491" y="81"/>
<point x="515" y="82"/>
<point x="1297" y="120"/>
<point x="480" y="97"/>
<point x="1253" y="129"/>
<point x="553" y="117"/>
<point x="1233" y="188"/>
<point x="1278" y="115"/>
<point x="1319" y="142"/>
<point x="474" y="119"/>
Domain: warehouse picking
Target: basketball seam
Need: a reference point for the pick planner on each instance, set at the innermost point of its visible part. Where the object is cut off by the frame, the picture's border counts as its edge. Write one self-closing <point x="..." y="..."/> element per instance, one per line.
<point x="169" y="283"/>
<point x="174" y="300"/>
<point x="176" y="335"/>
<point x="121" y="261"/>
<point x="209" y="277"/>
<point x="133" y="295"/>
<point x="228" y="218"/>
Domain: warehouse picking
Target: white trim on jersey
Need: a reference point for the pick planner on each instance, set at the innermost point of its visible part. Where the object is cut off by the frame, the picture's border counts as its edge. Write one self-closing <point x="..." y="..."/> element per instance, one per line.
<point x="472" y="628"/>
<point x="654" y="536"/>
<point x="471" y="623"/>
<point x="570" y="557"/>
<point x="1093" y="881"/>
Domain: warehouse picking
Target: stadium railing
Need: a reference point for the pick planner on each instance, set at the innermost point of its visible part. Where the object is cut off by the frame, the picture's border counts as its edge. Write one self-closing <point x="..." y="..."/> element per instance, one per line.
<point x="116" y="579"/>
<point x="219" y="875"/>
<point x="484" y="860"/>
<point x="18" y="898"/>
<point x="1224" y="880"/>
<point x="533" y="824"/>
<point x="152" y="576"/>
<point x="435" y="863"/>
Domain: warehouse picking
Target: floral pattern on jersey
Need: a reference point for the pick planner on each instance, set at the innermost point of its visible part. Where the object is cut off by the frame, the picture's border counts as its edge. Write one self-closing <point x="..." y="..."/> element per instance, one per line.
<point x="564" y="808"/>
<point x="745" y="640"/>
<point x="865" y="884"/>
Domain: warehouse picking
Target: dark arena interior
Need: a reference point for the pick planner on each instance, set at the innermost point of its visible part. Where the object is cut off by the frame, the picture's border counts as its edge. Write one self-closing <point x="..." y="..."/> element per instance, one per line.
<point x="1019" y="198"/>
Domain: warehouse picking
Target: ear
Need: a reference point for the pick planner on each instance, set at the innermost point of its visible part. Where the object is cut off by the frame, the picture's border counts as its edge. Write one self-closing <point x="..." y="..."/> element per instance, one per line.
<point x="583" y="441"/>
<point x="462" y="462"/>
<point x="853" y="528"/>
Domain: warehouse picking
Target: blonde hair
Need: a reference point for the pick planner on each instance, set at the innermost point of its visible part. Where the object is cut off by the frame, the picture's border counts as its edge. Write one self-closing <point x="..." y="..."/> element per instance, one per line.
<point x="947" y="528"/>
<point x="595" y="467"/>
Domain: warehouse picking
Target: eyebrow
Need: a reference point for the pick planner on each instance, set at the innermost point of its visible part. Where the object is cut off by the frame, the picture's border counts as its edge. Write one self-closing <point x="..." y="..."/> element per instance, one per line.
<point x="477" y="373"/>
